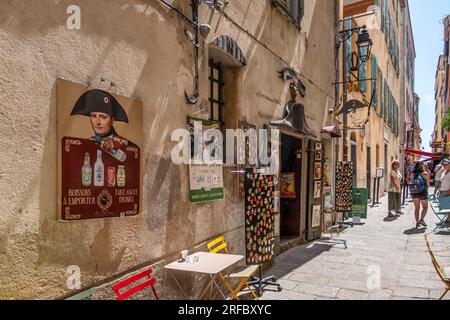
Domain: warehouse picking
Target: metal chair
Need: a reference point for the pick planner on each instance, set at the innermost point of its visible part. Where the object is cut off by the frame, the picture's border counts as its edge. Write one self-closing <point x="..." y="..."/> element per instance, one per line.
<point x="149" y="282"/>
<point x="219" y="245"/>
<point x="439" y="269"/>
<point x="442" y="215"/>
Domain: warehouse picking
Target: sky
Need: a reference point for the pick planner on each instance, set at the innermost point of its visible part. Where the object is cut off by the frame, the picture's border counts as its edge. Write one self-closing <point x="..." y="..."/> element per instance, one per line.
<point x="428" y="32"/>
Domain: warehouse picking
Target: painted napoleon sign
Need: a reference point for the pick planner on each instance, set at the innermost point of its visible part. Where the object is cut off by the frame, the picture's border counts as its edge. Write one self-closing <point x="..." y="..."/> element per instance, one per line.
<point x="99" y="155"/>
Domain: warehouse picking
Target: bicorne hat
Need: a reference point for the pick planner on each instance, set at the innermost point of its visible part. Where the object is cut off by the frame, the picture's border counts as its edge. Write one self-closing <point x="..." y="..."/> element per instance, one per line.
<point x="99" y="101"/>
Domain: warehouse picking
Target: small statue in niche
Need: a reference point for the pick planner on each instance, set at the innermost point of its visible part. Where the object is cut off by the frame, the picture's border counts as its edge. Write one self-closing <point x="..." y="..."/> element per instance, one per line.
<point x="294" y="115"/>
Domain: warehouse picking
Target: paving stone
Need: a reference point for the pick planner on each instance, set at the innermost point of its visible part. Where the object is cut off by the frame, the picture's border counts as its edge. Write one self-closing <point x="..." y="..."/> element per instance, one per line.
<point x="411" y="292"/>
<point x="345" y="294"/>
<point x="380" y="294"/>
<point x="350" y="284"/>
<point x="287" y="295"/>
<point x="322" y="270"/>
<point x="288" y="285"/>
<point x="310" y="278"/>
<point x="317" y="290"/>
<point x="436" y="294"/>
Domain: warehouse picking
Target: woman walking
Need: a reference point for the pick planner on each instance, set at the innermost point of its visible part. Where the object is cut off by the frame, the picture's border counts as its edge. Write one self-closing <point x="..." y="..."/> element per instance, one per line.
<point x="418" y="186"/>
<point x="395" y="189"/>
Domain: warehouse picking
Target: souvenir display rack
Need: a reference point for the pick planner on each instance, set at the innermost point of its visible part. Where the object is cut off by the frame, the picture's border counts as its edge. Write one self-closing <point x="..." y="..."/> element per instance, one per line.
<point x="344" y="186"/>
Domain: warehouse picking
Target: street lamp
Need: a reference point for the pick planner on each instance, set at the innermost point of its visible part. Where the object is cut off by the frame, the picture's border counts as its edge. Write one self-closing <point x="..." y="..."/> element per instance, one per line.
<point x="364" y="44"/>
<point x="363" y="54"/>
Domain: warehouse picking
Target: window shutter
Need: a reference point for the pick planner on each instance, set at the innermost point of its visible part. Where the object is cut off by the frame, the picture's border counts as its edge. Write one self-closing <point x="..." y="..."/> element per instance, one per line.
<point x="381" y="94"/>
<point x="348" y="51"/>
<point x="386" y="96"/>
<point x="375" y="82"/>
<point x="294" y="8"/>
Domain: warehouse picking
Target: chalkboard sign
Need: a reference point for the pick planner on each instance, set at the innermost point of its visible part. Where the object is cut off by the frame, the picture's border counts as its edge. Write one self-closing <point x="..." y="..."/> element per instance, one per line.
<point x="259" y="217"/>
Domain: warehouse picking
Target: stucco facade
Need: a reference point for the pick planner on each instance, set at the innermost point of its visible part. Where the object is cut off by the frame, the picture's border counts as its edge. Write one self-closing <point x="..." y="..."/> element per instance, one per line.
<point x="142" y="47"/>
<point x="380" y="142"/>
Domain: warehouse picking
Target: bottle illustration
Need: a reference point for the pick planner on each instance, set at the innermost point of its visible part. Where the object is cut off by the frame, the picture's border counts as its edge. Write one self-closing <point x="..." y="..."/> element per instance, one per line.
<point x="99" y="171"/>
<point x="116" y="153"/>
<point x="86" y="171"/>
<point x="121" y="177"/>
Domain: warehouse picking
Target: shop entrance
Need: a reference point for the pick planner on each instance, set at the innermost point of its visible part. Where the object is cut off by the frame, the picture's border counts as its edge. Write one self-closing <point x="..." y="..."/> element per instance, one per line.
<point x="290" y="205"/>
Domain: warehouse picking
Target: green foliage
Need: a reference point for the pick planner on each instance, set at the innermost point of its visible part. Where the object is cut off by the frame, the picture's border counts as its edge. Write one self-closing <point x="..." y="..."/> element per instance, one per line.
<point x="446" y="121"/>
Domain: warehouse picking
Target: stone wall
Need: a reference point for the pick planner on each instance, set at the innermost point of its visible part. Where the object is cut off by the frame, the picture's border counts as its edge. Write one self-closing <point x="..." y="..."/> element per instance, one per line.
<point x="142" y="47"/>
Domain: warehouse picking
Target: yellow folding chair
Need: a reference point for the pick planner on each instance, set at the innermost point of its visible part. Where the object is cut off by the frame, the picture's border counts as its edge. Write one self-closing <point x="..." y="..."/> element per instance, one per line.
<point x="440" y="271"/>
<point x="219" y="245"/>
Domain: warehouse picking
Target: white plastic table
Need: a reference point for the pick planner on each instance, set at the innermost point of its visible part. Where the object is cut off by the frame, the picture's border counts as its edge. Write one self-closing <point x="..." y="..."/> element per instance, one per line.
<point x="211" y="264"/>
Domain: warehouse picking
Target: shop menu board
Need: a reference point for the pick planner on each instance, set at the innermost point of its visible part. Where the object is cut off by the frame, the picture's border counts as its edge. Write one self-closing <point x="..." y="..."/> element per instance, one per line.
<point x="259" y="217"/>
<point x="84" y="195"/>
<point x="344" y="186"/>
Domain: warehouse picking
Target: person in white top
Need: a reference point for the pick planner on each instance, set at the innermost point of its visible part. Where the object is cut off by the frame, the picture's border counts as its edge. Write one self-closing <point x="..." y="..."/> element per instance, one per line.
<point x="395" y="189"/>
<point x="444" y="194"/>
<point x="438" y="171"/>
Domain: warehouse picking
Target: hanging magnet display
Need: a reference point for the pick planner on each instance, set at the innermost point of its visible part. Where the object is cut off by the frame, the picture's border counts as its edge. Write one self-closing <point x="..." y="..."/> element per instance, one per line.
<point x="344" y="186"/>
<point x="259" y="217"/>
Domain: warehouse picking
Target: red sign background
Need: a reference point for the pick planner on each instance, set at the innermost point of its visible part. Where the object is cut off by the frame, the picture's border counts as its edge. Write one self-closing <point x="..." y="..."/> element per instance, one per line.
<point x="79" y="202"/>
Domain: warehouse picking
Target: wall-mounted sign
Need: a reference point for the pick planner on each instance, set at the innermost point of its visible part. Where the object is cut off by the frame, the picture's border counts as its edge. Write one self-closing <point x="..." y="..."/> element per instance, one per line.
<point x="315" y="223"/>
<point x="206" y="183"/>
<point x="356" y="7"/>
<point x="99" y="155"/>
<point x="380" y="173"/>
<point x="287" y="186"/>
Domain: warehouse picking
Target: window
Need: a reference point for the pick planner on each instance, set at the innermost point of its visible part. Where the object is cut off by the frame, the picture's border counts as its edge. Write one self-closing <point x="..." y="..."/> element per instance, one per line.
<point x="295" y="9"/>
<point x="216" y="91"/>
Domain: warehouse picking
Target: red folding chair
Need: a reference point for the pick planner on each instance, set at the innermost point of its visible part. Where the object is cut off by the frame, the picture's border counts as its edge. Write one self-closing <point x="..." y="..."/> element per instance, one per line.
<point x="139" y="287"/>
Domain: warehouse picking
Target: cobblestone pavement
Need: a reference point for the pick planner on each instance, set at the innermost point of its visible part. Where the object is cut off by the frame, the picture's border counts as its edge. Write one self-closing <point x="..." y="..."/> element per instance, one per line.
<point x="384" y="260"/>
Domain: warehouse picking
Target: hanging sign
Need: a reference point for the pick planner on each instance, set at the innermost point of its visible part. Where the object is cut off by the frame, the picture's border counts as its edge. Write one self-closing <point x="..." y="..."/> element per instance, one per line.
<point x="99" y="153"/>
<point x="287" y="186"/>
<point x="356" y="7"/>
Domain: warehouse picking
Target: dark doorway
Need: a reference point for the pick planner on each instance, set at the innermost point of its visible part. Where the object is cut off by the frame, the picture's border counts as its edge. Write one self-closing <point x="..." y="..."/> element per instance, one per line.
<point x="291" y="162"/>
<point x="369" y="171"/>
<point x="354" y="155"/>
